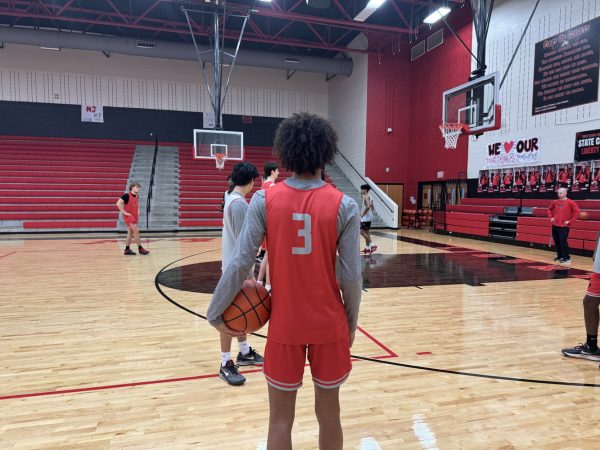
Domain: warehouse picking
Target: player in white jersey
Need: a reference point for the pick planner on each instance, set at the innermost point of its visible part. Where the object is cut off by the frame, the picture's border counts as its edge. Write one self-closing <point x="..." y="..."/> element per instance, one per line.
<point x="234" y="213"/>
<point x="366" y="217"/>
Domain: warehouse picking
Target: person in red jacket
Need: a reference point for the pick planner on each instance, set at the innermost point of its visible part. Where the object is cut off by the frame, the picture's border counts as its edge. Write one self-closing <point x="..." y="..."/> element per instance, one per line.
<point x="562" y="213"/>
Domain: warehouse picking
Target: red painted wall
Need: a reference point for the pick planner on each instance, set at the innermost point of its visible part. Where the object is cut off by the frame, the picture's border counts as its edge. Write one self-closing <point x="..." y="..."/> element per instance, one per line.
<point x="388" y="106"/>
<point x="408" y="97"/>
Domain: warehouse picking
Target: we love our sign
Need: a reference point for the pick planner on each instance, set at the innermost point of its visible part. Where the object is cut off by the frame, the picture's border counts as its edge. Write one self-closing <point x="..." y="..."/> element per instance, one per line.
<point x="513" y="153"/>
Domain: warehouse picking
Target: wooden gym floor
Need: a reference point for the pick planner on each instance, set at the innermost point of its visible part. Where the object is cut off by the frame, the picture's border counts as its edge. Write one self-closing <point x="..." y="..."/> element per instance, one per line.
<point x="463" y="336"/>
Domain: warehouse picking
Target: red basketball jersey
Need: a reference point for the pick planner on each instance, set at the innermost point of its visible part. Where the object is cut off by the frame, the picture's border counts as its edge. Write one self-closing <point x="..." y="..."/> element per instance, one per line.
<point x="132" y="206"/>
<point x="267" y="184"/>
<point x="302" y="236"/>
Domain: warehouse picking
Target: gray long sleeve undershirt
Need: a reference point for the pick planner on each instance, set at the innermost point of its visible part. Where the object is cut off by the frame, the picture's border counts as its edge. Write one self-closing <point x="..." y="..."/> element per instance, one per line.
<point x="250" y="239"/>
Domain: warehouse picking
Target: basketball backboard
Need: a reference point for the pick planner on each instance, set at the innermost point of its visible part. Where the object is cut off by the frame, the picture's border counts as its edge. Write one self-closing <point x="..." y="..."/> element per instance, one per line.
<point x="474" y="104"/>
<point x="209" y="143"/>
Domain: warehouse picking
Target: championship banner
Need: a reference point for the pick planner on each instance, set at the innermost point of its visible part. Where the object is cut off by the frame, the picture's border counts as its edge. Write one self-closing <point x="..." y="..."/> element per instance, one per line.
<point x="587" y="145"/>
<point x="92" y="113"/>
<point x="513" y="153"/>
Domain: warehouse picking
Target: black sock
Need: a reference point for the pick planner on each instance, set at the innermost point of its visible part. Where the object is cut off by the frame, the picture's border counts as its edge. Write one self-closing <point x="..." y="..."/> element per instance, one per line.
<point x="127" y="247"/>
<point x="592" y="341"/>
<point x="139" y="247"/>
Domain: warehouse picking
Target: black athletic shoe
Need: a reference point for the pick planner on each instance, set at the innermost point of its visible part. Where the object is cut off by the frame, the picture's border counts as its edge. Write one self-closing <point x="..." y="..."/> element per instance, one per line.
<point x="557" y="259"/>
<point x="566" y="261"/>
<point x="229" y="372"/>
<point x="129" y="252"/>
<point x="582" y="351"/>
<point x="251" y="359"/>
<point x="143" y="251"/>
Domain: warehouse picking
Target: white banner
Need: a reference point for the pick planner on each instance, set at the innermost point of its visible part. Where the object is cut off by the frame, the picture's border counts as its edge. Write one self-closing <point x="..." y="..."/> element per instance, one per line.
<point x="92" y="113"/>
<point x="522" y="152"/>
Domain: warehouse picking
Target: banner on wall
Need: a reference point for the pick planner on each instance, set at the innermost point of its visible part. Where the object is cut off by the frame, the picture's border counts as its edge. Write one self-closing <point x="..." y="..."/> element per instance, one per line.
<point x="533" y="179"/>
<point x="587" y="145"/>
<point x="595" y="182"/>
<point x="564" y="176"/>
<point x="92" y="113"/>
<point x="548" y="178"/>
<point x="519" y="179"/>
<point x="566" y="69"/>
<point x="513" y="152"/>
<point x="484" y="181"/>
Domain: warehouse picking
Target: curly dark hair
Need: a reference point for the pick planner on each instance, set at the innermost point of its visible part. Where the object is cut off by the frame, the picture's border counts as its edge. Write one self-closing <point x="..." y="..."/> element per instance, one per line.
<point x="305" y="143"/>
<point x="270" y="166"/>
<point x="243" y="173"/>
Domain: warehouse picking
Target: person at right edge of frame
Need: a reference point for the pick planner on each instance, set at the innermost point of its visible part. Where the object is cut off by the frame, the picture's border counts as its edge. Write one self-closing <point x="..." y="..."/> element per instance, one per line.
<point x="306" y="222"/>
<point x="562" y="213"/>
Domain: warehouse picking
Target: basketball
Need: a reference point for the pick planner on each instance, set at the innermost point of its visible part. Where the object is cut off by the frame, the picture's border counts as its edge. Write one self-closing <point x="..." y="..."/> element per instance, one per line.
<point x="250" y="309"/>
<point x="584" y="215"/>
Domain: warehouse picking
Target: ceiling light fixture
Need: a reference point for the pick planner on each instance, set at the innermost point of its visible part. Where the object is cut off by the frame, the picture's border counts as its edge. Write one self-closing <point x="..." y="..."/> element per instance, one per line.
<point x="371" y="7"/>
<point x="437" y="15"/>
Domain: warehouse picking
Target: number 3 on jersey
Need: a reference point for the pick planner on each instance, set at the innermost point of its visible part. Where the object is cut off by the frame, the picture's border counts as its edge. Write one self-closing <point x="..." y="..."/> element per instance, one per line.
<point x="304" y="232"/>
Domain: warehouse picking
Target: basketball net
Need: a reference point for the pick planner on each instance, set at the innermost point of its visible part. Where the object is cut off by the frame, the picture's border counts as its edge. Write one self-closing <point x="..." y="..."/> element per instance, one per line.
<point x="220" y="160"/>
<point x="451" y="132"/>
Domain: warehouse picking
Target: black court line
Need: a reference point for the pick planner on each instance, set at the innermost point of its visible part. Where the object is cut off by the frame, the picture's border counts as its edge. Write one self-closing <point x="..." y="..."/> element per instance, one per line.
<point x="8" y="254"/>
<point x="380" y="361"/>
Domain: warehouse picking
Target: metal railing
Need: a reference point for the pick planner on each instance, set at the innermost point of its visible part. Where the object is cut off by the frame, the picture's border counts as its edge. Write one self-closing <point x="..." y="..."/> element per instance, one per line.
<point x="383" y="201"/>
<point x="151" y="184"/>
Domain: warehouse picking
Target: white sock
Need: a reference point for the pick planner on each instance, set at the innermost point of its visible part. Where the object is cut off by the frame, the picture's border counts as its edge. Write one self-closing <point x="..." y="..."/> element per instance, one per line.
<point x="225" y="356"/>
<point x="369" y="246"/>
<point x="244" y="347"/>
<point x="268" y="287"/>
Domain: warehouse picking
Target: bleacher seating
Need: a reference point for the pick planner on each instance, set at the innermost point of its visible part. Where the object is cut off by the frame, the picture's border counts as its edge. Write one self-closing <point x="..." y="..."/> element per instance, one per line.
<point x="472" y="217"/>
<point x="51" y="184"/>
<point x="201" y="185"/>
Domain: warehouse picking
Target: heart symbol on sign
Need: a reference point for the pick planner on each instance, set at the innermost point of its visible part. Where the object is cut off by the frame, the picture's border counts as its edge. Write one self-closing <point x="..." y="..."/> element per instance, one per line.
<point x="508" y="146"/>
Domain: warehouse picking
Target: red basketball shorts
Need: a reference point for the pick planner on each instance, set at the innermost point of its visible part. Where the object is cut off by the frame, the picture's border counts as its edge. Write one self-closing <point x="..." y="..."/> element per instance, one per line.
<point x="594" y="286"/>
<point x="130" y="220"/>
<point x="330" y="364"/>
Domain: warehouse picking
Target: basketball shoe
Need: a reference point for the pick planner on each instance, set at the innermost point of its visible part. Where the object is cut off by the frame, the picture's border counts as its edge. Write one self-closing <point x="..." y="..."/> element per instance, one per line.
<point x="230" y="373"/>
<point x="373" y="249"/>
<point x="129" y="252"/>
<point x="143" y="251"/>
<point x="582" y="351"/>
<point x="251" y="359"/>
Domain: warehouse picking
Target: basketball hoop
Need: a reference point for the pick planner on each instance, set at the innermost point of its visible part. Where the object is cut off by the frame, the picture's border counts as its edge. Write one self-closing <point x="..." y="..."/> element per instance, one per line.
<point x="220" y="160"/>
<point x="451" y="132"/>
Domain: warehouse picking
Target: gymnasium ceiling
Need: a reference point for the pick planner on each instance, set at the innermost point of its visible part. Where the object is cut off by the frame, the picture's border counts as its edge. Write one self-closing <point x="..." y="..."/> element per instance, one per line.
<point x="282" y="25"/>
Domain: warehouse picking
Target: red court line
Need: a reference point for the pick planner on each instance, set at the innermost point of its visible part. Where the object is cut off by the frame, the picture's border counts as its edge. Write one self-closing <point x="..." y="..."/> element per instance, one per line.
<point x="138" y="383"/>
<point x="116" y="386"/>
<point x="379" y="344"/>
<point x="8" y="254"/>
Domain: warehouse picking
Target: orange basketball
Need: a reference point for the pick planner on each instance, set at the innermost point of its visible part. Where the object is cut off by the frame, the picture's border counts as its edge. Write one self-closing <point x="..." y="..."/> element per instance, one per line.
<point x="583" y="215"/>
<point x="250" y="309"/>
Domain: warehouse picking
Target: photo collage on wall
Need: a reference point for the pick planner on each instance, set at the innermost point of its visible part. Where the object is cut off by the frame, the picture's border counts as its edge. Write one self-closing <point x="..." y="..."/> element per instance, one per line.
<point x="582" y="176"/>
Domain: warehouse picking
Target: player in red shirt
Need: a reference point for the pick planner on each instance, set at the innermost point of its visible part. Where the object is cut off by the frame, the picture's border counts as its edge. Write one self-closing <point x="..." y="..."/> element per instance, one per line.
<point x="128" y="205"/>
<point x="306" y="222"/>
<point x="562" y="213"/>
<point x="271" y="175"/>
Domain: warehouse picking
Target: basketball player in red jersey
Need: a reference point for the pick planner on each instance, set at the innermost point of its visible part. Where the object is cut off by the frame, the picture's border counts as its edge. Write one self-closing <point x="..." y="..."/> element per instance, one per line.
<point x="271" y="174"/>
<point x="306" y="221"/>
<point x="128" y="205"/>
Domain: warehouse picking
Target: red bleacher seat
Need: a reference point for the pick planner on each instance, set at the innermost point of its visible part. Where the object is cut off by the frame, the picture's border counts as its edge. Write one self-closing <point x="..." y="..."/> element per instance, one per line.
<point x="55" y="184"/>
